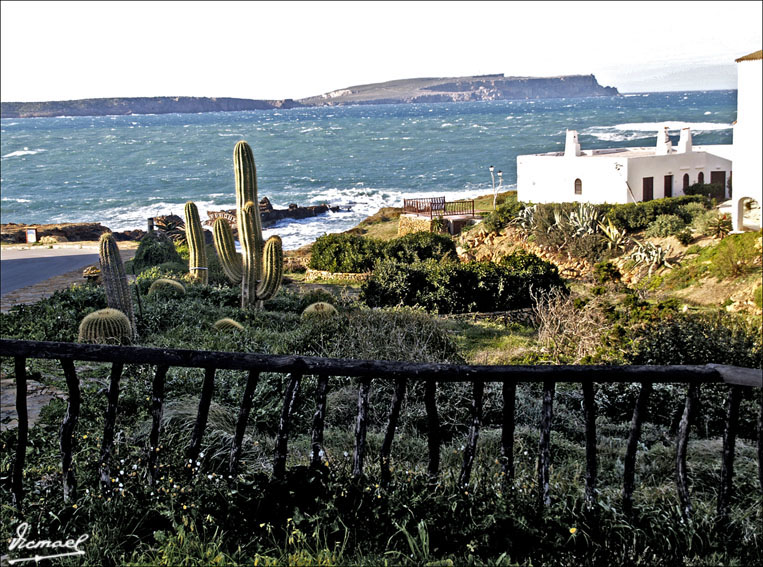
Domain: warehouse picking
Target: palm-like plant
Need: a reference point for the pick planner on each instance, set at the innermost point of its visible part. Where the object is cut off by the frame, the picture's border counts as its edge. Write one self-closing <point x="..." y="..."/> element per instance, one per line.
<point x="616" y="238"/>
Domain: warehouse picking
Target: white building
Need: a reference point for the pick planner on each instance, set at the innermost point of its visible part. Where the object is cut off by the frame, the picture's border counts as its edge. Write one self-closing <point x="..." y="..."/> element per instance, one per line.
<point x="620" y="175"/>
<point x="748" y="136"/>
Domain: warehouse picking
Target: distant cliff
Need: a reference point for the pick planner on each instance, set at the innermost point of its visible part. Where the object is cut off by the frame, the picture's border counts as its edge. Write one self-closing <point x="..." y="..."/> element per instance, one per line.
<point x="452" y="89"/>
<point x="458" y="89"/>
<point x="138" y="105"/>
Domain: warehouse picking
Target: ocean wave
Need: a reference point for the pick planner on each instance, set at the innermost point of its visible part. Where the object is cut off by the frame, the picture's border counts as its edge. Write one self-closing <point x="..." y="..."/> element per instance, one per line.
<point x="645" y="130"/>
<point x="12" y="200"/>
<point x="24" y="152"/>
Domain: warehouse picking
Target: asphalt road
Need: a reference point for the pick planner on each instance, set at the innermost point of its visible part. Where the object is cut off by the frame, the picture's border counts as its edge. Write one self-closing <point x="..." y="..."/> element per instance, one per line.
<point x="20" y="268"/>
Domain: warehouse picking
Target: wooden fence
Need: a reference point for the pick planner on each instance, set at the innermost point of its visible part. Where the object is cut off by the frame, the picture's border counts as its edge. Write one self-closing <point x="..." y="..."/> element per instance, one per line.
<point x="438" y="207"/>
<point x="298" y="366"/>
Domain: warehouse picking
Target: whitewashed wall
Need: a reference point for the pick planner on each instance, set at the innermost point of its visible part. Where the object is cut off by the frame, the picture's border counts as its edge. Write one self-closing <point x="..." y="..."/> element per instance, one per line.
<point x="748" y="137"/>
<point x="676" y="165"/>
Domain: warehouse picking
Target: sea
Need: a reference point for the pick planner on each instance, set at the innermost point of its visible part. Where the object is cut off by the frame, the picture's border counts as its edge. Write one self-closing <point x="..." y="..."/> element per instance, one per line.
<point x="121" y="170"/>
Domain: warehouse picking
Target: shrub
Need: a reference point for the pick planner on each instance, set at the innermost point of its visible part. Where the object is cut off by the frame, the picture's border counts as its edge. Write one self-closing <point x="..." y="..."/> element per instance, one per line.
<point x="155" y="248"/>
<point x="461" y="288"/>
<point x="502" y="216"/>
<point x="757" y="296"/>
<point x="606" y="272"/>
<point x="665" y="225"/>
<point x="712" y="190"/>
<point x="345" y="253"/>
<point x="637" y="216"/>
<point x="420" y="246"/>
<point x="684" y="236"/>
<point x="690" y="211"/>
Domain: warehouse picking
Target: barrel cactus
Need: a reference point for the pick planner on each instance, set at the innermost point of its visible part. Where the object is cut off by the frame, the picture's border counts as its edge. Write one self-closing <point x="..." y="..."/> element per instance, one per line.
<point x="114" y="278"/>
<point x="194" y="234"/>
<point x="166" y="284"/>
<point x="227" y="324"/>
<point x="105" y="326"/>
<point x="320" y="309"/>
<point x="259" y="269"/>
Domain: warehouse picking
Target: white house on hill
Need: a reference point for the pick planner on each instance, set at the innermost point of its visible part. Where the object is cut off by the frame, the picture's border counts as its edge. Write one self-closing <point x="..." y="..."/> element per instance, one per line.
<point x="620" y="175"/>
<point x="748" y="137"/>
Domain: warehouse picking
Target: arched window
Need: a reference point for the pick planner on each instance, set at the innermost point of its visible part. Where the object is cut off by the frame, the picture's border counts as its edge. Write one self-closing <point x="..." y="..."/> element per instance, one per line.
<point x="701" y="178"/>
<point x="686" y="181"/>
<point x="578" y="187"/>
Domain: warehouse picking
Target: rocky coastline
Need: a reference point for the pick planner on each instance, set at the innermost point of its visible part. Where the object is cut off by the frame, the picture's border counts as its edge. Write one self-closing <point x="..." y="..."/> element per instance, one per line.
<point x="404" y="91"/>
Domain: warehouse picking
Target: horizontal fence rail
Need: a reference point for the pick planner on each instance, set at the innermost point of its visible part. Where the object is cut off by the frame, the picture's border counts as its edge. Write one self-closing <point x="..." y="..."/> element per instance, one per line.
<point x="296" y="367"/>
<point x="438" y="207"/>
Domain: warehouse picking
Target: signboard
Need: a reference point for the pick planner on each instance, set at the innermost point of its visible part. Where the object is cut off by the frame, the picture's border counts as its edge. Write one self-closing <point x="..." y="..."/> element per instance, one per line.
<point x="31" y="235"/>
<point x="213" y="215"/>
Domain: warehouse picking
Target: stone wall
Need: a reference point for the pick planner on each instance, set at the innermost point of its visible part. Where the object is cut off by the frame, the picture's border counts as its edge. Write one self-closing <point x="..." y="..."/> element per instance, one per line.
<point x="313" y="275"/>
<point x="413" y="223"/>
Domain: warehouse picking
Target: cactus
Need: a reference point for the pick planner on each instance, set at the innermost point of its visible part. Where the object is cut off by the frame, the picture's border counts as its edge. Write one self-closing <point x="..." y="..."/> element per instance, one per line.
<point x="260" y="268"/>
<point x="320" y="309"/>
<point x="114" y="279"/>
<point x="105" y="325"/>
<point x="194" y="235"/>
<point x="167" y="284"/>
<point x="227" y="324"/>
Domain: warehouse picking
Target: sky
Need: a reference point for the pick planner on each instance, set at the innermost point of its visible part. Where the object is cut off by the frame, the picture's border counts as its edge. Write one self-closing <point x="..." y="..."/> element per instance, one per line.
<point x="276" y="50"/>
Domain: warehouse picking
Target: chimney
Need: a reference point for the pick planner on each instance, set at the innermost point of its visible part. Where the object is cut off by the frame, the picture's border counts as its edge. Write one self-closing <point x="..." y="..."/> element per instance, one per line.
<point x="684" y="142"/>
<point x="664" y="145"/>
<point x="571" y="144"/>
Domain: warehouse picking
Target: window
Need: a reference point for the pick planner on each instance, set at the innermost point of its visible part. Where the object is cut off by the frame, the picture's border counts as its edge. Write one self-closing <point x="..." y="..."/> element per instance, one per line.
<point x="578" y="187"/>
<point x="686" y="181"/>
<point x="701" y="178"/>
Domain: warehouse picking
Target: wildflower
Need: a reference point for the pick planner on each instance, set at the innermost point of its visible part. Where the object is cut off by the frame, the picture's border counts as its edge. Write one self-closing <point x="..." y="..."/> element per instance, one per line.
<point x="84" y="436"/>
<point x="201" y="455"/>
<point x="74" y="506"/>
<point x="573" y="530"/>
<point x="185" y="507"/>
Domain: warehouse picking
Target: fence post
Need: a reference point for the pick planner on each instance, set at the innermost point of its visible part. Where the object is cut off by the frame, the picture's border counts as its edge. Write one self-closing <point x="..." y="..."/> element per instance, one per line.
<point x="433" y="428"/>
<point x="361" y="424"/>
<point x="589" y="411"/>
<point x="507" y="431"/>
<point x="19" y="365"/>
<point x="729" y="441"/>
<point x="68" y="425"/>
<point x="474" y="431"/>
<point x="157" y="409"/>
<point x="107" y="444"/>
<point x="319" y="419"/>
<point x="243" y="417"/>
<point x="683" y="441"/>
<point x="207" y="390"/>
<point x="629" y="474"/>
<point x="544" y="445"/>
<point x="394" y="414"/>
<point x="282" y="438"/>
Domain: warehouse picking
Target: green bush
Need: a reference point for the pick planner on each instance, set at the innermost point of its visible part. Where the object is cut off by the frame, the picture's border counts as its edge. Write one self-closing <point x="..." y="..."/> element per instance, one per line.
<point x="420" y="246"/>
<point x="460" y="288"/>
<point x="690" y="211"/>
<point x="684" y="236"/>
<point x="712" y="190"/>
<point x="345" y="253"/>
<point x="665" y="225"/>
<point x="502" y="216"/>
<point x="605" y="272"/>
<point x="757" y="297"/>
<point x="155" y="248"/>
<point x="637" y="216"/>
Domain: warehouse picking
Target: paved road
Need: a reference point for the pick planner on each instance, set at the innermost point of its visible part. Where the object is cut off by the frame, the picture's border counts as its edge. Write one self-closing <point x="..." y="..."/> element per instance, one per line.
<point x="22" y="268"/>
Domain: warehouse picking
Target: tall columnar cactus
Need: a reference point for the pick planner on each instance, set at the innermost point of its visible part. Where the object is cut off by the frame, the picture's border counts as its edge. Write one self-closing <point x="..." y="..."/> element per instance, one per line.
<point x="194" y="235"/>
<point x="260" y="268"/>
<point x="104" y="326"/>
<point x="114" y="279"/>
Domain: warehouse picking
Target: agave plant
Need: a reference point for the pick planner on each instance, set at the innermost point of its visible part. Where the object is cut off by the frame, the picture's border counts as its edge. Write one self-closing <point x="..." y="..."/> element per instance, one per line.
<point x="650" y="254"/>
<point x="525" y="220"/>
<point x="616" y="238"/>
<point x="584" y="220"/>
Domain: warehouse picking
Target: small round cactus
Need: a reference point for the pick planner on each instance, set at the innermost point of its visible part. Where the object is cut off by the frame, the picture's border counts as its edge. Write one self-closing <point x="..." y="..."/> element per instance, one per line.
<point x="105" y="326"/>
<point x="165" y="284"/>
<point x="319" y="309"/>
<point x="227" y="324"/>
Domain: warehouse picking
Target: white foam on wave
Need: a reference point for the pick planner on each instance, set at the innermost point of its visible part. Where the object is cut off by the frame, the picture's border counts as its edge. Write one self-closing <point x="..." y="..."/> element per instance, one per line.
<point x="24" y="152"/>
<point x="12" y="200"/>
<point x="641" y="130"/>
